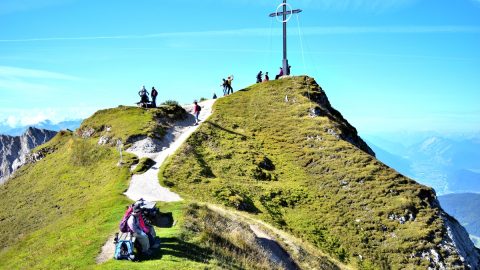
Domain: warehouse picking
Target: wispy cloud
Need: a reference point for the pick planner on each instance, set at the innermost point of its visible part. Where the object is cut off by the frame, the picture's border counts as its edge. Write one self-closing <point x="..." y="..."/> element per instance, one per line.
<point x="27" y="117"/>
<point x="10" y="72"/>
<point x="265" y="31"/>
<point x="356" y="5"/>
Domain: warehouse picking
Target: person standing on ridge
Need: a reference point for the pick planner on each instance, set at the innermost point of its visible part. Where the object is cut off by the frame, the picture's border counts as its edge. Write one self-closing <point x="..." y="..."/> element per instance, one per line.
<point x="280" y="74"/>
<point x="154" y="95"/>
<point x="259" y="77"/>
<point x="143" y="93"/>
<point x="266" y="77"/>
<point x="196" y="111"/>
<point x="225" y="87"/>
<point x="229" y="85"/>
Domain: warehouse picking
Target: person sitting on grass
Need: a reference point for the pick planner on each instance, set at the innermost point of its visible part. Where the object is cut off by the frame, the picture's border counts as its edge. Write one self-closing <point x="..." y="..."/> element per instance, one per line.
<point x="140" y="231"/>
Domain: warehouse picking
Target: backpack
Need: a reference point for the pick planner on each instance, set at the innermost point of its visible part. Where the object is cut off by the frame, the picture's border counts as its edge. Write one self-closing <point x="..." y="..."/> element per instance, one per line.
<point x="199" y="108"/>
<point x="123" y="227"/>
<point x="124" y="250"/>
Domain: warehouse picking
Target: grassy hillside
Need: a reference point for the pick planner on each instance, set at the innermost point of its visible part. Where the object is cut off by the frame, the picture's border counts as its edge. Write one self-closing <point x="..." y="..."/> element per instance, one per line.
<point x="58" y="212"/>
<point x="127" y="123"/>
<point x="278" y="151"/>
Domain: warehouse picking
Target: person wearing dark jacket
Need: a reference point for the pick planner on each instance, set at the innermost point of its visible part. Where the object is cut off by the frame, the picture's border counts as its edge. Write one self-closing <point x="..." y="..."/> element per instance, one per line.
<point x="154" y="95"/>
<point x="196" y="111"/>
<point x="259" y="77"/>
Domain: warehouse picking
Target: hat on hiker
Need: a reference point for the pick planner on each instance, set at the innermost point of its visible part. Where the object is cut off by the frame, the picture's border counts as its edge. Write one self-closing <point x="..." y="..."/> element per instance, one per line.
<point x="137" y="208"/>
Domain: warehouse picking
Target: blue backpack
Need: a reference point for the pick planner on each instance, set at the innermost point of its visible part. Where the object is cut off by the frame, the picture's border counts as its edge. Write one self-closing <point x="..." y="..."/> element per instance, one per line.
<point x="124" y="250"/>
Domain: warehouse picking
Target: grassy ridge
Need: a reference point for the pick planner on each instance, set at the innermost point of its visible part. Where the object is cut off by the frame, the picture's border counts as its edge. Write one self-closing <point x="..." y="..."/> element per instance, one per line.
<point x="263" y="152"/>
<point x="126" y="123"/>
<point x="63" y="207"/>
<point x="59" y="212"/>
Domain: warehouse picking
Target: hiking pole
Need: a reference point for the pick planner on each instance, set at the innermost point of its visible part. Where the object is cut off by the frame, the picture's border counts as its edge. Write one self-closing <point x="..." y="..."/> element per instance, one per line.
<point x="119" y="147"/>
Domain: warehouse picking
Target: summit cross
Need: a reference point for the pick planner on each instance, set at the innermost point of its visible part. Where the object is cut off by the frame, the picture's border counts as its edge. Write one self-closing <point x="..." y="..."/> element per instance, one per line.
<point x="286" y="14"/>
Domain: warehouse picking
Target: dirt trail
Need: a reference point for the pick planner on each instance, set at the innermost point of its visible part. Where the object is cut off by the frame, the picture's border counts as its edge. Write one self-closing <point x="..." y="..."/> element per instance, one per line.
<point x="146" y="185"/>
<point x="278" y="244"/>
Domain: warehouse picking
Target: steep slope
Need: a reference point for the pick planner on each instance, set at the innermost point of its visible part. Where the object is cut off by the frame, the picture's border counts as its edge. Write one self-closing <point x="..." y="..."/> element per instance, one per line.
<point x="59" y="211"/>
<point x="280" y="151"/>
<point x="14" y="150"/>
<point x="61" y="208"/>
<point x="465" y="207"/>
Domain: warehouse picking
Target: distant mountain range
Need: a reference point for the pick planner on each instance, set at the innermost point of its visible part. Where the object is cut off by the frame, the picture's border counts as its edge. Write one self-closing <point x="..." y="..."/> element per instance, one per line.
<point x="47" y="124"/>
<point x="14" y="149"/>
<point x="449" y="165"/>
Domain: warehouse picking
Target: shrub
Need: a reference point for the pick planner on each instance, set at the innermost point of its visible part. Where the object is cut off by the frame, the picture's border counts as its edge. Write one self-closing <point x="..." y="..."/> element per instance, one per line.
<point x="170" y="102"/>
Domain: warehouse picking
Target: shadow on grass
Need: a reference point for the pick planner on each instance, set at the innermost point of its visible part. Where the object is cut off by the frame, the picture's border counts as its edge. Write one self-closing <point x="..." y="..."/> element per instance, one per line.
<point x="226" y="130"/>
<point x="171" y="246"/>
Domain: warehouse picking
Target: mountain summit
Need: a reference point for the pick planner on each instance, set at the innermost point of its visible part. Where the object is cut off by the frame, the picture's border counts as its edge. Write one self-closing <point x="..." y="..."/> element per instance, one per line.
<point x="280" y="150"/>
<point x="14" y="149"/>
<point x="274" y="157"/>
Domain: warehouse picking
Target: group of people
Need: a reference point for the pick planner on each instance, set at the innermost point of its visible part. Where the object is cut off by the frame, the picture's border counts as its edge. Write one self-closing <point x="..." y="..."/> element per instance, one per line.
<point x="227" y="85"/>
<point x="144" y="97"/>
<point x="259" y="77"/>
<point x="266" y="78"/>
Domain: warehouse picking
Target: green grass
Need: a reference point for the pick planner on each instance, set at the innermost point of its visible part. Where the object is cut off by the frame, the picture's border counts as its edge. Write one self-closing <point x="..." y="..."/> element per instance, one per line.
<point x="143" y="165"/>
<point x="62" y="209"/>
<point x="321" y="188"/>
<point x="175" y="252"/>
<point x="126" y="123"/>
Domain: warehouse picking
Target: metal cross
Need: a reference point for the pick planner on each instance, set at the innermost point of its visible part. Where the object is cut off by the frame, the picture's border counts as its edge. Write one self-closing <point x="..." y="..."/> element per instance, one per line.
<point x="284" y="14"/>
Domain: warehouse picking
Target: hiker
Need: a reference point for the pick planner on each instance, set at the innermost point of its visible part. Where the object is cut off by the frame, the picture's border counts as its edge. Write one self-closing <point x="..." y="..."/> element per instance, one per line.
<point x="259" y="77"/>
<point x="140" y="231"/>
<point x="288" y="70"/>
<point x="143" y="95"/>
<point x="196" y="111"/>
<point x="214" y="96"/>
<point x="266" y="77"/>
<point x="225" y="86"/>
<point x="280" y="74"/>
<point x="154" y="95"/>
<point x="229" y="85"/>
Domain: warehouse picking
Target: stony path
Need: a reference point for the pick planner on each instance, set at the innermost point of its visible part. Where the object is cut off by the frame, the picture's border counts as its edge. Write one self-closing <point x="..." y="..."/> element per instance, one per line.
<point x="146" y="185"/>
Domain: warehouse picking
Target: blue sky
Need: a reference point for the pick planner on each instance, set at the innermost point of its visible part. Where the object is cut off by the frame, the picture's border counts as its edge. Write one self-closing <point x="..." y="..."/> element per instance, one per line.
<point x="386" y="65"/>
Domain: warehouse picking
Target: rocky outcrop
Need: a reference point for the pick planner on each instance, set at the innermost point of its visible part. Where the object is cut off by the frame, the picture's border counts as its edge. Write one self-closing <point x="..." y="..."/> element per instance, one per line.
<point x="458" y="241"/>
<point x="345" y="130"/>
<point x="14" y="150"/>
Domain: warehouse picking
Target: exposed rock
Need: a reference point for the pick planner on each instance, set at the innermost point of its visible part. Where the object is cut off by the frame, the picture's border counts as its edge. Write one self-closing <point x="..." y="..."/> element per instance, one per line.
<point x="103" y="140"/>
<point x="458" y="241"/>
<point x="85" y="132"/>
<point x="345" y="130"/>
<point x="14" y="150"/>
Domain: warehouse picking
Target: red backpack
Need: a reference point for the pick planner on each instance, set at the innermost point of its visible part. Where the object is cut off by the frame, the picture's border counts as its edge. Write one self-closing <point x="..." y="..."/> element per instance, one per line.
<point x="124" y="224"/>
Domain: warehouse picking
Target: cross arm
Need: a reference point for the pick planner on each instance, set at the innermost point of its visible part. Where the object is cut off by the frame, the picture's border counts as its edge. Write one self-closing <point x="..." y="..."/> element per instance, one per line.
<point x="275" y="14"/>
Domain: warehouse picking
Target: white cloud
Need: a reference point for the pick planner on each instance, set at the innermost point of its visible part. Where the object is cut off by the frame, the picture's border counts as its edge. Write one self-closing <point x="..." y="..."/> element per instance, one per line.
<point x="265" y="31"/>
<point x="27" y="117"/>
<point x="7" y="71"/>
<point x="368" y="5"/>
